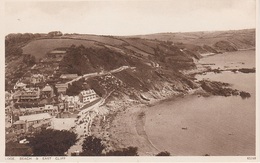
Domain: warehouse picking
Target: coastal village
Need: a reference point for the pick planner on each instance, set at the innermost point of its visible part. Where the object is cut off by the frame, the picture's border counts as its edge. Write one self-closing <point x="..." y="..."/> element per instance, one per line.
<point x="105" y="80"/>
<point x="101" y="94"/>
<point x="36" y="102"/>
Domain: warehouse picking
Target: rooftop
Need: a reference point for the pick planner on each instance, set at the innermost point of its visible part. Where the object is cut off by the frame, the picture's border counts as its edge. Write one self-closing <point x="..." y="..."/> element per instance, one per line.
<point x="19" y="122"/>
<point x="35" y="117"/>
<point x="69" y="76"/>
<point x="37" y="75"/>
<point x="20" y="84"/>
<point x="58" y="52"/>
<point x="39" y="124"/>
<point x="61" y="85"/>
<point x="47" y="88"/>
<point x="87" y="92"/>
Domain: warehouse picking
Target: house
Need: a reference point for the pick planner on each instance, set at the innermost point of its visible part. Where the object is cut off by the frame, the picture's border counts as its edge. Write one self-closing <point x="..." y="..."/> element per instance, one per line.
<point x="61" y="88"/>
<point x="37" y="78"/>
<point x="19" y="126"/>
<point x="87" y="96"/>
<point x="69" y="76"/>
<point x="19" y="86"/>
<point x="57" y="54"/>
<point x="61" y="106"/>
<point x="72" y="102"/>
<point x="51" y="109"/>
<point x="69" y="103"/>
<point x="29" y="94"/>
<point x="47" y="92"/>
<point x="34" y="122"/>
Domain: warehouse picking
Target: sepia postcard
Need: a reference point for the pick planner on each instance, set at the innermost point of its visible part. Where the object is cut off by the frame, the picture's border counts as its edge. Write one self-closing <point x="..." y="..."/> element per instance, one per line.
<point x="130" y="81"/>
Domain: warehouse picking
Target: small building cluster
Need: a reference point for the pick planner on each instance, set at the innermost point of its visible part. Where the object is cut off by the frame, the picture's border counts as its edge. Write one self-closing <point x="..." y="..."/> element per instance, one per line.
<point x="35" y="100"/>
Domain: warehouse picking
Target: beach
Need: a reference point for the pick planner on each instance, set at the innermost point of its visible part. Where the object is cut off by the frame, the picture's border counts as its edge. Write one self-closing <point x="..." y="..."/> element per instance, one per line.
<point x="192" y="125"/>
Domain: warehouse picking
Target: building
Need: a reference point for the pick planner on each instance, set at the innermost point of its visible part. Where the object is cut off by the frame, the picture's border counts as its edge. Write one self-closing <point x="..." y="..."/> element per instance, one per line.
<point x="51" y="109"/>
<point x="16" y="95"/>
<point x="47" y="92"/>
<point x="8" y="97"/>
<point x="29" y="94"/>
<point x="37" y="78"/>
<point x="62" y="106"/>
<point x="19" y="126"/>
<point x="8" y="116"/>
<point x="61" y="88"/>
<point x="32" y="123"/>
<point x="57" y="54"/>
<point x="68" y="103"/>
<point x="69" y="76"/>
<point x="19" y="86"/>
<point x="87" y="96"/>
<point x="72" y="103"/>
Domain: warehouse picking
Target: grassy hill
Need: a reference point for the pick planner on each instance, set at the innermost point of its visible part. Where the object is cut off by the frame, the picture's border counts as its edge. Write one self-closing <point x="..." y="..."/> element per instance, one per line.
<point x="163" y="53"/>
<point x="144" y="45"/>
<point x="40" y="47"/>
<point x="238" y="39"/>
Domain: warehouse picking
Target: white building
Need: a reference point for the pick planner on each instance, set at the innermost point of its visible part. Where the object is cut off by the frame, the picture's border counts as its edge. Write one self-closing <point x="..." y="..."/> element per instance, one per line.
<point x="87" y="96"/>
<point x="70" y="102"/>
<point x="33" y="122"/>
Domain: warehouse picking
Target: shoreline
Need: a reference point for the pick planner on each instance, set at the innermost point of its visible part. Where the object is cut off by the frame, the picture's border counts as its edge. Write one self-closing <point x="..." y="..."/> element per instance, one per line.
<point x="125" y="127"/>
<point x="122" y="128"/>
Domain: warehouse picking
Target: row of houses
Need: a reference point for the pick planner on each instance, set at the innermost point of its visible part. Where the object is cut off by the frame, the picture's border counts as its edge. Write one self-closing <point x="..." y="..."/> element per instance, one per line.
<point x="41" y="117"/>
<point x="28" y="94"/>
<point x="32" y="123"/>
<point x="32" y="90"/>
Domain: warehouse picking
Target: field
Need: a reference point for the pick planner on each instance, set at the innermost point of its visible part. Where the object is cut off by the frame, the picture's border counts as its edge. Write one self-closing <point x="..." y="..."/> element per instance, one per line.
<point x="39" y="48"/>
<point x="134" y="49"/>
<point x="138" y="43"/>
<point x="102" y="39"/>
<point x="242" y="39"/>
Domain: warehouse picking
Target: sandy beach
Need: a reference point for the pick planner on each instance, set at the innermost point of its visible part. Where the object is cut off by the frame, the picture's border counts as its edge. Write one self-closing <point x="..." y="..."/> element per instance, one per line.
<point x="189" y="125"/>
<point x="128" y="130"/>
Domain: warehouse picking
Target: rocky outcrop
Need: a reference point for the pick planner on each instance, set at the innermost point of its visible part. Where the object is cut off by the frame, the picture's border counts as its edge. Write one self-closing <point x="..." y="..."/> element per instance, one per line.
<point x="222" y="89"/>
<point x="225" y="46"/>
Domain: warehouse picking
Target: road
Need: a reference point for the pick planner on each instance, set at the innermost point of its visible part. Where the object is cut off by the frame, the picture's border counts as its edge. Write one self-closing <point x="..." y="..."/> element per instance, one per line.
<point x="99" y="74"/>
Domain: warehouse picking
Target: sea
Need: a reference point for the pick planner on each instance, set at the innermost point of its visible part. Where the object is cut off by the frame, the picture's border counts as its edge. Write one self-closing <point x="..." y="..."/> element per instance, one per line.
<point x="214" y="125"/>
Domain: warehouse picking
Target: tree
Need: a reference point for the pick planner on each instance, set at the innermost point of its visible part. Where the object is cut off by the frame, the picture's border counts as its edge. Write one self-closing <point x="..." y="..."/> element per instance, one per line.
<point x="165" y="153"/>
<point x="17" y="149"/>
<point x="54" y="33"/>
<point x="129" y="151"/>
<point x="13" y="50"/>
<point x="92" y="146"/>
<point x="52" y="142"/>
<point x="29" y="59"/>
<point x="75" y="88"/>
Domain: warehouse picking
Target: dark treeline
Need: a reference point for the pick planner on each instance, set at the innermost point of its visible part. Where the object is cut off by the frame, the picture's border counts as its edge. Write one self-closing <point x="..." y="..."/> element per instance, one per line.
<point x="14" y="43"/>
<point x="81" y="60"/>
<point x="20" y="38"/>
<point x="49" y="142"/>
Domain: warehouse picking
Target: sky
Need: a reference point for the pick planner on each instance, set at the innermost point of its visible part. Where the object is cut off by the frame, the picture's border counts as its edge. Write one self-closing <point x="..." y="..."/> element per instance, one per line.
<point x="128" y="17"/>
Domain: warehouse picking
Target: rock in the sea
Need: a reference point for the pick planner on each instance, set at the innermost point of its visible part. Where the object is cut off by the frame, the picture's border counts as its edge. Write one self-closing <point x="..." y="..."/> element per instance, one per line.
<point x="244" y="94"/>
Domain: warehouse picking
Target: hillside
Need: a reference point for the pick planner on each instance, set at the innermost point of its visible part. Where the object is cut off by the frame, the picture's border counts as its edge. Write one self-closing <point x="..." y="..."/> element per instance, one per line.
<point x="156" y="60"/>
<point x="218" y="40"/>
